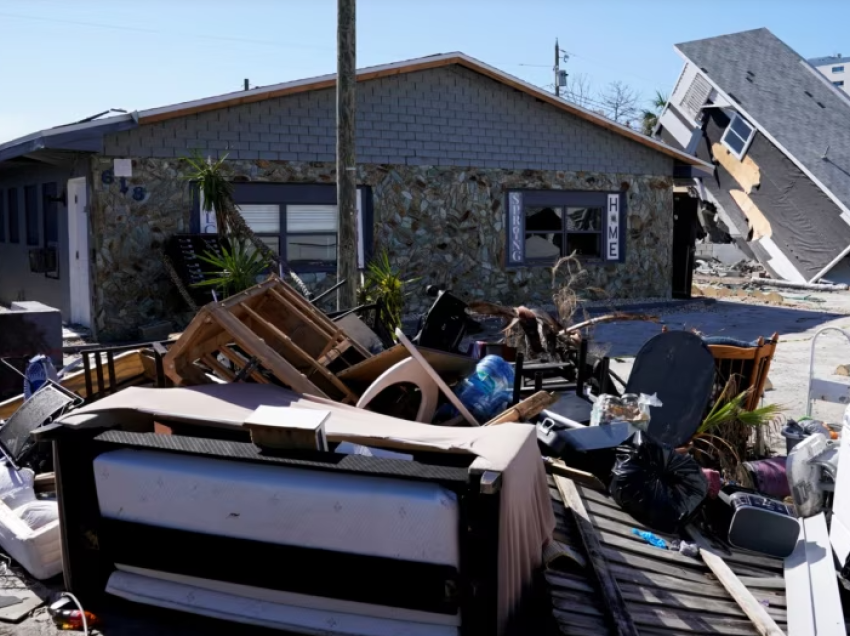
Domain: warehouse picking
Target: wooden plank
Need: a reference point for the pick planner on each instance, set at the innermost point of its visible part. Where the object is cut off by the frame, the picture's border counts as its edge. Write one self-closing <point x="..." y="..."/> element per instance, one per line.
<point x="608" y="586"/>
<point x="763" y="622"/>
<point x="682" y="600"/>
<point x="576" y="603"/>
<point x="624" y="530"/>
<point x="299" y="352"/>
<point x="577" y="620"/>
<point x="763" y="583"/>
<point x="690" y="622"/>
<point x="240" y="362"/>
<point x="653" y="565"/>
<point x="568" y="582"/>
<point x="219" y="369"/>
<point x="267" y="356"/>
<point x="645" y="578"/>
<point x="644" y="549"/>
<point x="527" y="408"/>
<point x="450" y="364"/>
<point x="826" y="601"/>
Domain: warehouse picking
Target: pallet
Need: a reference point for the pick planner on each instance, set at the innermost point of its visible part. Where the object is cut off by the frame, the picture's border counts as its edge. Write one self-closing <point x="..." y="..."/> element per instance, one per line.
<point x="264" y="333"/>
<point x="657" y="591"/>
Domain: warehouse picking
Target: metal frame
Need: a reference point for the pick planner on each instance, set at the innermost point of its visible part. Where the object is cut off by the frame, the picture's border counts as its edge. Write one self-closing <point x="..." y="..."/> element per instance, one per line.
<point x="825" y="390"/>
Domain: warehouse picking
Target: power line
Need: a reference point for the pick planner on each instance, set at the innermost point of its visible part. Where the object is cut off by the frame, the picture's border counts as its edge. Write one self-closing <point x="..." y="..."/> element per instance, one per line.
<point x="121" y="27"/>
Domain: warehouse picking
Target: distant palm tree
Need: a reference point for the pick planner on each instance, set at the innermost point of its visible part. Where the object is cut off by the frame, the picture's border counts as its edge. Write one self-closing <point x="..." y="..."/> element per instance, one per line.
<point x="650" y="116"/>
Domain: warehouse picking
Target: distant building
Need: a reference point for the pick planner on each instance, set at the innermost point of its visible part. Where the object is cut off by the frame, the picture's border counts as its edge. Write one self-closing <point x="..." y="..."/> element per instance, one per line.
<point x="835" y="68"/>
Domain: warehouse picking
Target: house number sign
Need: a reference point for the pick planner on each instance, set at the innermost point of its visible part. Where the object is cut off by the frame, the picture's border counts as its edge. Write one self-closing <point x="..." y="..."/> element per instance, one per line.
<point x="516" y="229"/>
<point x="612" y="234"/>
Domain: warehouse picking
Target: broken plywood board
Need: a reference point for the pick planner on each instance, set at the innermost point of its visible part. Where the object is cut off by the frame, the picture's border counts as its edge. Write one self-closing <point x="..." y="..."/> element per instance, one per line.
<point x="757" y="220"/>
<point x="745" y="172"/>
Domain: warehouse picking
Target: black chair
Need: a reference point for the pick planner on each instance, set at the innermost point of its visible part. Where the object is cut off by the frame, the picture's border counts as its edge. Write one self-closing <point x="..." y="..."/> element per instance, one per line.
<point x="679" y="368"/>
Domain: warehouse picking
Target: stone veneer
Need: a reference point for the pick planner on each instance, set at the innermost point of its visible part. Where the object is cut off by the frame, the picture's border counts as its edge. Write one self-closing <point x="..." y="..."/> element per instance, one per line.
<point x="445" y="225"/>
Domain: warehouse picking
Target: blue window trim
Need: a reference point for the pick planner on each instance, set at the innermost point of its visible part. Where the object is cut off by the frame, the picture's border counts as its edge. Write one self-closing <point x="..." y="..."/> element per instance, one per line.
<point x="838" y="83"/>
<point x="838" y="69"/>
<point x="283" y="194"/>
<point x="515" y="250"/>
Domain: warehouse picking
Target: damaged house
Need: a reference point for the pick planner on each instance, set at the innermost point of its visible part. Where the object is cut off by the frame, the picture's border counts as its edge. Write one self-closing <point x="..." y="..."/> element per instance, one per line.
<point x="777" y="132"/>
<point x="468" y="177"/>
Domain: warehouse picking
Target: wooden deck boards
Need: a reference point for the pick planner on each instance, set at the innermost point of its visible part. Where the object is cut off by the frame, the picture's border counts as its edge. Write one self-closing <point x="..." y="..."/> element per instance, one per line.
<point x="664" y="592"/>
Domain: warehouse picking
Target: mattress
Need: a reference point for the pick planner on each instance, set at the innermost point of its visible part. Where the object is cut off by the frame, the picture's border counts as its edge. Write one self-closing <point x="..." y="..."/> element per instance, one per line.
<point x="356" y="514"/>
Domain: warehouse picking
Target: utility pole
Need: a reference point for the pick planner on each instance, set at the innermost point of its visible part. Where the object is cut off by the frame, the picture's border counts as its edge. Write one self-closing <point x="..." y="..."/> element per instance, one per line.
<point x="557" y="69"/>
<point x="346" y="163"/>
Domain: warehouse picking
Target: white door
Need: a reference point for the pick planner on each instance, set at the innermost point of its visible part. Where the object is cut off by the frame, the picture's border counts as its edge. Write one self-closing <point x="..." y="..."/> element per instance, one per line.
<point x="78" y="252"/>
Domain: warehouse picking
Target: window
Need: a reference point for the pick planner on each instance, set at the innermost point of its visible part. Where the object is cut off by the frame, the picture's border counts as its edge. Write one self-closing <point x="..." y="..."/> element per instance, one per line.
<point x="839" y="83"/>
<point x="738" y="136"/>
<point x="14" y="220"/>
<point x="837" y="69"/>
<point x="553" y="232"/>
<point x="299" y="221"/>
<point x="544" y="226"/>
<point x="311" y="235"/>
<point x="264" y="221"/>
<point x="2" y="217"/>
<point x="51" y="214"/>
<point x="31" y="214"/>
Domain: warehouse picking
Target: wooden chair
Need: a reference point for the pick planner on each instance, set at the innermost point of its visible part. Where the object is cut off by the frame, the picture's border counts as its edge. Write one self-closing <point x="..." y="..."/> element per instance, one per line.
<point x="749" y="363"/>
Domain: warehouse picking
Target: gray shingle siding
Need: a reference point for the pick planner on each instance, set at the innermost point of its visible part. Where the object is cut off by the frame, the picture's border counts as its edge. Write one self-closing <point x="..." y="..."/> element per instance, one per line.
<point x="447" y="116"/>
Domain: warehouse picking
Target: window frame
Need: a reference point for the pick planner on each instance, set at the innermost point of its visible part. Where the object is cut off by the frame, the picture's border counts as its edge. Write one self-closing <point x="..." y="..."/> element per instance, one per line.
<point x="13" y="212"/>
<point x="838" y="69"/>
<point x="838" y="83"/>
<point x="2" y="216"/>
<point x="613" y="223"/>
<point x="729" y="130"/>
<point x="285" y="194"/>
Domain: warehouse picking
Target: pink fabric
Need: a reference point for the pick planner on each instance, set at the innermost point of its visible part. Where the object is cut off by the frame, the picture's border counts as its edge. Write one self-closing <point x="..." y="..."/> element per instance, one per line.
<point x="714" y="484"/>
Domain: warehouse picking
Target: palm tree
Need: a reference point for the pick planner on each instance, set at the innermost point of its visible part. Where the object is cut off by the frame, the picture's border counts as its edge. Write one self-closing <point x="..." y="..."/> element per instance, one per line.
<point x="650" y="116"/>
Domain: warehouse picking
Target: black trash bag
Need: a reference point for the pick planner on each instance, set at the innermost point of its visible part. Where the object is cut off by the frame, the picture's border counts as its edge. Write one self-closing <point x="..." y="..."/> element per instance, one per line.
<point x="656" y="485"/>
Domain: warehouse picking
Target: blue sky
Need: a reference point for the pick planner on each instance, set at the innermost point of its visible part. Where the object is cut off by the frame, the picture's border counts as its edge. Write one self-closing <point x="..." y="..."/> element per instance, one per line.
<point x="62" y="60"/>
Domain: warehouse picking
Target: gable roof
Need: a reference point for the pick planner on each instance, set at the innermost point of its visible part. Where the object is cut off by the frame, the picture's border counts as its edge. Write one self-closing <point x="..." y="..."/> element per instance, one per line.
<point x="153" y="115"/>
<point x="786" y="98"/>
<point x="412" y="66"/>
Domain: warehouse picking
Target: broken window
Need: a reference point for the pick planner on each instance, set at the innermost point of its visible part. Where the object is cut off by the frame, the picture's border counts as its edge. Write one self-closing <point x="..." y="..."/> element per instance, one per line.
<point x="544" y="226"/>
<point x="264" y="221"/>
<point x="738" y="136"/>
<point x="311" y="234"/>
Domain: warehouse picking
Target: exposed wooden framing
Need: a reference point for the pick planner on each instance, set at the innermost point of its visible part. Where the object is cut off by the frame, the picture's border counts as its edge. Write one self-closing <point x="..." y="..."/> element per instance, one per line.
<point x="756" y="612"/>
<point x="223" y="372"/>
<point x="240" y="362"/>
<point x="613" y="599"/>
<point x="289" y="344"/>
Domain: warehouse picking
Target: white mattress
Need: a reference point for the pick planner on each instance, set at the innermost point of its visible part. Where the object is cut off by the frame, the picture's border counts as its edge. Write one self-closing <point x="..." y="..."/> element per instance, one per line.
<point x="256" y="609"/>
<point x="356" y="514"/>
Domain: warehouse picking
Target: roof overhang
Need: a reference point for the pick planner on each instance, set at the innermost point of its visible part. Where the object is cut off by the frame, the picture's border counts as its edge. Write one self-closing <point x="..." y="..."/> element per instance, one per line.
<point x="435" y="61"/>
<point x="86" y="137"/>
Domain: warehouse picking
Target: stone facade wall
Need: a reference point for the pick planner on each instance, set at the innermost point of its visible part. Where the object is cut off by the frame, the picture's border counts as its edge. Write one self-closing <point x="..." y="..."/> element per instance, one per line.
<point x="443" y="224"/>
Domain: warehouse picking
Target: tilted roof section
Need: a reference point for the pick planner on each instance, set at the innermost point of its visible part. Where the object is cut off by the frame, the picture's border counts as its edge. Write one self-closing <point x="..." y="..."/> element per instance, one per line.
<point x="786" y="97"/>
<point x="410" y="66"/>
